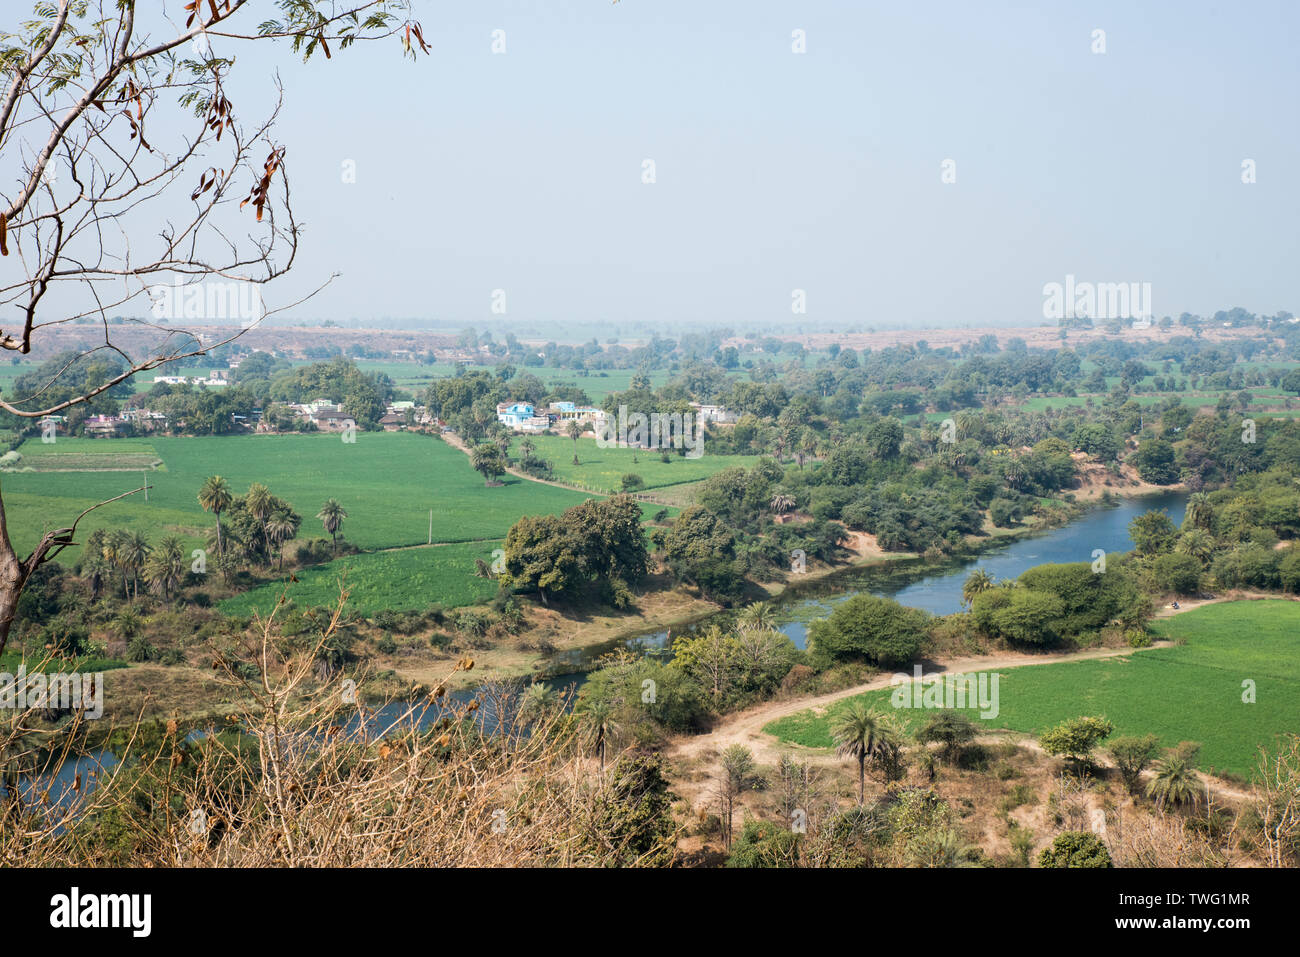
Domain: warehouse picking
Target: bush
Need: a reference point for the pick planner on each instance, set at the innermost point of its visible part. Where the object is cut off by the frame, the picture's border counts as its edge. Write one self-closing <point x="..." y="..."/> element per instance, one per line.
<point x="879" y="630"/>
<point x="1075" y="849"/>
<point x="631" y="482"/>
<point x="1180" y="574"/>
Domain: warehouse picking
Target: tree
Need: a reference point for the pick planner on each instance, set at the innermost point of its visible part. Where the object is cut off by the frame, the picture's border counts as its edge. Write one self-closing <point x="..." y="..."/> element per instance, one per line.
<point x="1152" y="532"/>
<point x="879" y="630"/>
<point x="864" y="734"/>
<point x="1076" y="738"/>
<point x="111" y="121"/>
<point x="633" y="815"/>
<point x="1173" y="572"/>
<point x="782" y="502"/>
<point x="1075" y="849"/>
<point x="215" y="497"/>
<point x="165" y="567"/>
<point x="951" y="729"/>
<point x="1199" y="513"/>
<point x="1132" y="755"/>
<point x="976" y="582"/>
<point x="488" y="462"/>
<point x="331" y="516"/>
<point x="1175" y="782"/>
<point x="631" y="482"/>
<point x="737" y="774"/>
<point x="1154" y="461"/>
<point x="575" y="433"/>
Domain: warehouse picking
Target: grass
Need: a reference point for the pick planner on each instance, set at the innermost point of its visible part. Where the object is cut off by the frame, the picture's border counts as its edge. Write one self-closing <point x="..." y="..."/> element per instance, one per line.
<point x="1189" y="692"/>
<point x="605" y="468"/>
<point x="388" y="482"/>
<point x="408" y="579"/>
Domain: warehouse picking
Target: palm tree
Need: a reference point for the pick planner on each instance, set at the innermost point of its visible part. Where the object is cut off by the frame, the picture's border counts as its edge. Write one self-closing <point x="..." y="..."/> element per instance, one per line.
<point x="214" y="497"/>
<point x="538" y="702"/>
<point x="331" y="515"/>
<point x="488" y="462"/>
<point x="864" y="734"/>
<point x="527" y="446"/>
<point x="113" y="550"/>
<point x="282" y="527"/>
<point x="1175" y="783"/>
<point x="598" y="717"/>
<point x="94" y="568"/>
<point x="132" y="553"/>
<point x="758" y="617"/>
<point x="782" y="502"/>
<point x="260" y="502"/>
<point x="1197" y="543"/>
<point x="979" y="580"/>
<point x="575" y="431"/>
<point x="1199" y="512"/>
<point x="165" y="568"/>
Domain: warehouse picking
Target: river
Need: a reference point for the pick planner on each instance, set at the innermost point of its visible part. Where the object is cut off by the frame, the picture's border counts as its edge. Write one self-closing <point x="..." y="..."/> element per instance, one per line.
<point x="923" y="585"/>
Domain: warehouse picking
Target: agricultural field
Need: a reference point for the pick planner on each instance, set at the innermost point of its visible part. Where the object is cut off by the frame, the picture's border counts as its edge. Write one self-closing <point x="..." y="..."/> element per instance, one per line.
<point x="1190" y="692"/>
<point x="604" y="468"/>
<point x="404" y="579"/>
<point x="387" y="482"/>
<point x="72" y="454"/>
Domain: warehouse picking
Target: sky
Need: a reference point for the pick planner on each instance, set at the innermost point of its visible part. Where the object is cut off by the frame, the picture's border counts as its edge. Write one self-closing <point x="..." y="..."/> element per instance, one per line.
<point x="775" y="171"/>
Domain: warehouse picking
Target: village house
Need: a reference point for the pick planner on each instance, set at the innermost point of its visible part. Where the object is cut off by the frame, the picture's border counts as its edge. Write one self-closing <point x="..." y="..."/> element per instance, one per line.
<point x="104" y="426"/>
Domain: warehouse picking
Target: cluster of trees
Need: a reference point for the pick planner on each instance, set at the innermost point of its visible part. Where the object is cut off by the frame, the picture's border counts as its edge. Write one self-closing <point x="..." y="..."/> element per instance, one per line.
<point x="596" y="545"/>
<point x="1057" y="602"/>
<point x="1239" y="537"/>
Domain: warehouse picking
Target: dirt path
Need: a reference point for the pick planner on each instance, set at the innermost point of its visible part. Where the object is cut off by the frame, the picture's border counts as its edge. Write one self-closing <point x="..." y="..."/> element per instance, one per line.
<point x="746" y="727"/>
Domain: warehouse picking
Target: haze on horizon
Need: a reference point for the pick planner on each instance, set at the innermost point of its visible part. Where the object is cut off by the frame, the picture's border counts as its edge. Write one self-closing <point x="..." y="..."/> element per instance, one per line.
<point x="778" y="171"/>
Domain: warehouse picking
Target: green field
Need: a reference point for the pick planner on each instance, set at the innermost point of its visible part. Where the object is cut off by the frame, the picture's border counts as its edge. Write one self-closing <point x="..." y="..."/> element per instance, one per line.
<point x="88" y="455"/>
<point x="604" y="468"/>
<point x="400" y="580"/>
<point x="388" y="482"/>
<point x="1189" y="692"/>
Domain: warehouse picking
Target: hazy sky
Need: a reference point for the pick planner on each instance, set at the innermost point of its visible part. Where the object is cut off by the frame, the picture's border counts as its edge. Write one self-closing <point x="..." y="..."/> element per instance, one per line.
<point x="778" y="171"/>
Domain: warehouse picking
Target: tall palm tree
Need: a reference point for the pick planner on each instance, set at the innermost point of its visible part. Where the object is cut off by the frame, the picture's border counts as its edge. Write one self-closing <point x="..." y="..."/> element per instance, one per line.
<point x="331" y="515"/>
<point x="864" y="734"/>
<point x="527" y="446"/>
<point x="282" y="527"/>
<point x="114" y="552"/>
<point x="215" y="497"/>
<point x="1199" y="514"/>
<point x="979" y="580"/>
<point x="597" y="716"/>
<point x="133" y="554"/>
<point x="165" y="567"/>
<point x="260" y="503"/>
<point x="1175" y="783"/>
<point x="575" y="432"/>
<point x="94" y="569"/>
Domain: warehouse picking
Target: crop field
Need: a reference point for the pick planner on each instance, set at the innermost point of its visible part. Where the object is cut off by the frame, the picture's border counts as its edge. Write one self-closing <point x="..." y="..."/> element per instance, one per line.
<point x="604" y="468"/>
<point x="1190" y="692"/>
<point x="88" y="455"/>
<point x="405" y="579"/>
<point x="387" y="482"/>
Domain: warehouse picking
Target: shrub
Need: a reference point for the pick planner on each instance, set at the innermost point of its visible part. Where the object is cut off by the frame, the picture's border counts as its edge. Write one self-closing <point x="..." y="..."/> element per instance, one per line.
<point x="879" y="630"/>
<point x="1075" y="849"/>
